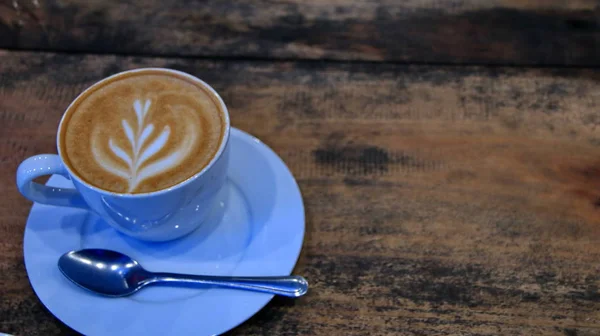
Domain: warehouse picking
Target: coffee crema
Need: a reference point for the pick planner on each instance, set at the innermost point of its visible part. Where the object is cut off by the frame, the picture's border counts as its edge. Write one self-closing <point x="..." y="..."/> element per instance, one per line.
<point x="141" y="131"/>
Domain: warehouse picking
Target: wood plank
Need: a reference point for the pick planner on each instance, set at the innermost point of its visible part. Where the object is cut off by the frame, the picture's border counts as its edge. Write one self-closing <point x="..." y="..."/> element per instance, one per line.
<point x="533" y="32"/>
<point x="439" y="200"/>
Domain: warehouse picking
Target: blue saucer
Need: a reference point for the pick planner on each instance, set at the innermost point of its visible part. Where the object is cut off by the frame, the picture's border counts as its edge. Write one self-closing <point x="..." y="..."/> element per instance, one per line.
<point x="256" y="230"/>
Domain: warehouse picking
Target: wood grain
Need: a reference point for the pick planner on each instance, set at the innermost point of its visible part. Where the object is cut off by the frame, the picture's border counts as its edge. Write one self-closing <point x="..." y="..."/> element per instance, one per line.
<point x="439" y="200"/>
<point x="533" y="32"/>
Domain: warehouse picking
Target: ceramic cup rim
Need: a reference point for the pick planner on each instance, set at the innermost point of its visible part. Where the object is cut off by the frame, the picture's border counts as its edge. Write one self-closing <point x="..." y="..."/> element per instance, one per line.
<point x="214" y="159"/>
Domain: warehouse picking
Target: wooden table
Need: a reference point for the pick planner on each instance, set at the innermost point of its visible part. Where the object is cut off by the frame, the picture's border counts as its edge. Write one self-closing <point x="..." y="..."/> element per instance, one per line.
<point x="448" y="152"/>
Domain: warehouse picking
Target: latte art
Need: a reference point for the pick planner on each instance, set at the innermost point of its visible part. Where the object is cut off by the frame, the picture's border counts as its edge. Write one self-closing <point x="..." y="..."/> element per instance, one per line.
<point x="141" y="150"/>
<point x="141" y="133"/>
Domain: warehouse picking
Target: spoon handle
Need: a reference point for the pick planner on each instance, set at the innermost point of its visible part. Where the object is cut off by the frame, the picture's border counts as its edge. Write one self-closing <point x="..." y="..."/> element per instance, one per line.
<point x="292" y="286"/>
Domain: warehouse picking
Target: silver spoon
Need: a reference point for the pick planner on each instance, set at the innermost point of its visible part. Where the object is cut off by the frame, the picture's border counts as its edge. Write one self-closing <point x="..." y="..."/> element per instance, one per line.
<point x="114" y="274"/>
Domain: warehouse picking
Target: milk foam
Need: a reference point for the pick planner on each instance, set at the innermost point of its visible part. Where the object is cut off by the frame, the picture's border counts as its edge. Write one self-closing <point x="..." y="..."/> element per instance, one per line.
<point x="137" y="153"/>
<point x="141" y="132"/>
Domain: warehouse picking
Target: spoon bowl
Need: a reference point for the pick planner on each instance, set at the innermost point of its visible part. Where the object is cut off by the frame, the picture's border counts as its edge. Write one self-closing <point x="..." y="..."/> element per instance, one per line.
<point x="111" y="273"/>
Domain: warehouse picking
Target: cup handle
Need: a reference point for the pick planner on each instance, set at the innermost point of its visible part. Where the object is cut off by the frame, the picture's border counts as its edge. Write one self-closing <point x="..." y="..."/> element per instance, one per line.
<point x="46" y="164"/>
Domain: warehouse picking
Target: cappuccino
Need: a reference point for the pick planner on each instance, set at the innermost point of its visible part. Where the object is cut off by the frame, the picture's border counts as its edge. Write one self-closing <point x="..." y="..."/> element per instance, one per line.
<point x="142" y="131"/>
